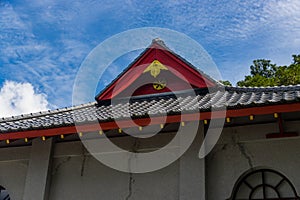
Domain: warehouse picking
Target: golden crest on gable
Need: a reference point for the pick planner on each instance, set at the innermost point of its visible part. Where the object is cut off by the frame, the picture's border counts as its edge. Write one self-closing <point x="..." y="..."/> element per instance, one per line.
<point x="154" y="68"/>
<point x="159" y="84"/>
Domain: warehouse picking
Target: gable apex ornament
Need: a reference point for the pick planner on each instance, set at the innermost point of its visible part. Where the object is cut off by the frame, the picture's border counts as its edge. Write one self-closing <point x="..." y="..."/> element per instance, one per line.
<point x="154" y="68"/>
<point x="160" y="66"/>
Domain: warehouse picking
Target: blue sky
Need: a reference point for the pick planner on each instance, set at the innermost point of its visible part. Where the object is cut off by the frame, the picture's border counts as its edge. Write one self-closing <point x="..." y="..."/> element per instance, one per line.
<point x="44" y="42"/>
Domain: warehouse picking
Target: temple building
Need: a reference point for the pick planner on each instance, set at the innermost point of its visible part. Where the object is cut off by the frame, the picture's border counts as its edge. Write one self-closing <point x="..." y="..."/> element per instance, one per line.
<point x="46" y="155"/>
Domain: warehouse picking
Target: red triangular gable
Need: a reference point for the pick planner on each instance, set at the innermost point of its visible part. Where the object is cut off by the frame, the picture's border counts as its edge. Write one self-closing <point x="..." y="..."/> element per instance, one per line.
<point x="140" y="78"/>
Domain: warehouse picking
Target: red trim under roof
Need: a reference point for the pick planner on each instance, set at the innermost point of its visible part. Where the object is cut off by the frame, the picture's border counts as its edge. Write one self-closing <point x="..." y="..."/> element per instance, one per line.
<point x="295" y="107"/>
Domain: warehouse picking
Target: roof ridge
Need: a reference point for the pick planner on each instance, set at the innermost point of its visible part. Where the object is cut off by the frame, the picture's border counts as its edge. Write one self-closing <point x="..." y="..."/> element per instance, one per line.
<point x="262" y="88"/>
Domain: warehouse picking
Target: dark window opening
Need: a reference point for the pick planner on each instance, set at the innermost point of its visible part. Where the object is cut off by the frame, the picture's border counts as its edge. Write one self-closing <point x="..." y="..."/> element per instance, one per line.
<point x="262" y="184"/>
<point x="4" y="194"/>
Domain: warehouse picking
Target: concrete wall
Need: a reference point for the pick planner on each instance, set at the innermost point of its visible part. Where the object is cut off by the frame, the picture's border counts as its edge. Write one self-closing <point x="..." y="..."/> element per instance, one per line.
<point x="13" y="170"/>
<point x="75" y="174"/>
<point x="78" y="175"/>
<point x="242" y="148"/>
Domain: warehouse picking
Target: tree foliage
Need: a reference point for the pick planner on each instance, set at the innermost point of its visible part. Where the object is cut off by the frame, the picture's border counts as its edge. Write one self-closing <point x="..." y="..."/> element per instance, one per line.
<point x="264" y="73"/>
<point x="225" y="83"/>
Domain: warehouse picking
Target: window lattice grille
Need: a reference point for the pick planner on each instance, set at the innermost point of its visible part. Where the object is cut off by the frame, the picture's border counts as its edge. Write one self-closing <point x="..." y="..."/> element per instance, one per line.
<point x="264" y="184"/>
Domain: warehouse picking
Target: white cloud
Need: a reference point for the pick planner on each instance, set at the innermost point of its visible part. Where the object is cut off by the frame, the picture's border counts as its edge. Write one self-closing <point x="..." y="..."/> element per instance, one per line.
<point x="44" y="43"/>
<point x="51" y="63"/>
<point x="20" y="98"/>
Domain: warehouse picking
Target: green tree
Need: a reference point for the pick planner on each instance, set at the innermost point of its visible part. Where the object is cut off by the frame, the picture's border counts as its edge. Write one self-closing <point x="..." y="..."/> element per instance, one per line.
<point x="264" y="73"/>
<point x="225" y="83"/>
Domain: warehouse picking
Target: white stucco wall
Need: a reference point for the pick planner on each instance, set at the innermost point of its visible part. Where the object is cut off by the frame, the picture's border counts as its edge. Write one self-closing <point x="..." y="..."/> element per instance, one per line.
<point x="75" y="178"/>
<point x="13" y="169"/>
<point x="241" y="148"/>
<point x="77" y="175"/>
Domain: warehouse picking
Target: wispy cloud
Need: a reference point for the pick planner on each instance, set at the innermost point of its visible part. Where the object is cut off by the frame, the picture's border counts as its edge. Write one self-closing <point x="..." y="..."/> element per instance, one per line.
<point x="236" y="32"/>
<point x="49" y="65"/>
<point x="45" y="42"/>
<point x="283" y="19"/>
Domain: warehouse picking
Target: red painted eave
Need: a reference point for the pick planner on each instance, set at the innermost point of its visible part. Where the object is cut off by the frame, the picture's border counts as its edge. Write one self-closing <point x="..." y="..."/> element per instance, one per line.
<point x="265" y="110"/>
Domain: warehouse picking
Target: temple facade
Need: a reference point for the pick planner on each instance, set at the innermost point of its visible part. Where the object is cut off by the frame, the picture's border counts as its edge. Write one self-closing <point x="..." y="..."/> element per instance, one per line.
<point x="47" y="155"/>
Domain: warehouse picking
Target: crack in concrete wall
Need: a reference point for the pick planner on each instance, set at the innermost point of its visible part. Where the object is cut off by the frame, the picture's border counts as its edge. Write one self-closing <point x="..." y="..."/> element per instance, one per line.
<point x="134" y="149"/>
<point x="135" y="146"/>
<point x="67" y="159"/>
<point x="245" y="153"/>
<point x="84" y="157"/>
<point x="131" y="181"/>
<point x="242" y="148"/>
<point x="217" y="149"/>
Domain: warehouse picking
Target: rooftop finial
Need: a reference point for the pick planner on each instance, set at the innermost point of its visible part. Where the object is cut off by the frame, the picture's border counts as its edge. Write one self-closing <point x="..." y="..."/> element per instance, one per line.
<point x="158" y="41"/>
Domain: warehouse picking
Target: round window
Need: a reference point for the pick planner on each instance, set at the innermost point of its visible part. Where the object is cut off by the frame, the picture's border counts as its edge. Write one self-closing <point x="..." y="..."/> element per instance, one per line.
<point x="263" y="184"/>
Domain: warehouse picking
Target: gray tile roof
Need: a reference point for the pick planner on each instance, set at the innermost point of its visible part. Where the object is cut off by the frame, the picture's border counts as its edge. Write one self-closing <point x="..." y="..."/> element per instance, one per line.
<point x="231" y="97"/>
